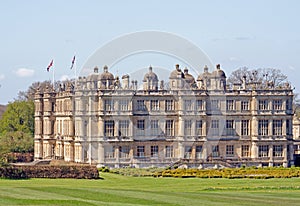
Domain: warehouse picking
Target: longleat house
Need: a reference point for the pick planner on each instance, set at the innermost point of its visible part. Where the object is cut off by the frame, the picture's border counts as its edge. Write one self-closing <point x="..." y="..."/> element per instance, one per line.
<point x="101" y="119"/>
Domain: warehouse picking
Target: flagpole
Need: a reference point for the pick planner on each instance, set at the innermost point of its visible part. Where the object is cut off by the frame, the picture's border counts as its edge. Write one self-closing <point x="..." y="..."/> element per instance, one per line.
<point x="53" y="77"/>
<point x="75" y="70"/>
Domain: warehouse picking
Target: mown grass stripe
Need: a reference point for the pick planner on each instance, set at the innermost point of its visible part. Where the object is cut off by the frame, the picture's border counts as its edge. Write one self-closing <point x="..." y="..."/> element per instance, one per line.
<point x="120" y="190"/>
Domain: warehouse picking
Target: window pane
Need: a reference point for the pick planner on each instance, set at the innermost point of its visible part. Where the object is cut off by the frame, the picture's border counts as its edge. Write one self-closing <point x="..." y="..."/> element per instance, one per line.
<point x="154" y="104"/>
<point x="109" y="128"/>
<point x="169" y="128"/>
<point x="169" y="105"/>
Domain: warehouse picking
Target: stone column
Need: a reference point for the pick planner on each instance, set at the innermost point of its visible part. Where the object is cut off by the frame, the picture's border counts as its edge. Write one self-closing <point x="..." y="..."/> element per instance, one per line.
<point x="271" y="160"/>
<point x="180" y="150"/>
<point x="180" y="127"/>
<point x="291" y="153"/>
<point x="205" y="151"/>
<point x="116" y="129"/>
<point x="204" y="127"/>
<point x="270" y="127"/>
<point x="101" y="127"/>
<point x="254" y="150"/>
<point x="117" y="155"/>
<point x="101" y="154"/>
<point x="254" y="126"/>
<point x="193" y="153"/>
<point x="284" y="127"/>
<point x="284" y="153"/>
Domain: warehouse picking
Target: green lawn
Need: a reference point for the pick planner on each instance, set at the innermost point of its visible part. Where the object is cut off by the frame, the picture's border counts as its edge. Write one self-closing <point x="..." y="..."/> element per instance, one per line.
<point x="123" y="190"/>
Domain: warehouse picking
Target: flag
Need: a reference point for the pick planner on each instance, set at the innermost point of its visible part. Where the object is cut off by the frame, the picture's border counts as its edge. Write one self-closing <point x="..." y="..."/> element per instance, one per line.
<point x="50" y="65"/>
<point x="73" y="61"/>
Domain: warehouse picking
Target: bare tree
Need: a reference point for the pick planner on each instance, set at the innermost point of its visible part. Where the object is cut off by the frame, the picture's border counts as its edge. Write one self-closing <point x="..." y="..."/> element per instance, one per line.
<point x="265" y="77"/>
<point x="29" y="93"/>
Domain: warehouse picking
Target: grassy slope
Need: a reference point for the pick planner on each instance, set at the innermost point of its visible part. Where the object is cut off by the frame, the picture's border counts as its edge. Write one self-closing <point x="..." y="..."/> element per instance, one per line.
<point x="121" y="190"/>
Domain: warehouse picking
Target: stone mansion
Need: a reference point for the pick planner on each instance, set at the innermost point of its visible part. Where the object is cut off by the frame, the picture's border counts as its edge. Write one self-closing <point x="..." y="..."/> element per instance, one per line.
<point x="200" y="122"/>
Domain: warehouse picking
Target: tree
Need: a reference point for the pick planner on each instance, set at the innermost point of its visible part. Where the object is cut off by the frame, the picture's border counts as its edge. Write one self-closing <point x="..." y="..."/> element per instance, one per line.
<point x="16" y="142"/>
<point x="29" y="93"/>
<point x="16" y="129"/>
<point x="19" y="116"/>
<point x="266" y="77"/>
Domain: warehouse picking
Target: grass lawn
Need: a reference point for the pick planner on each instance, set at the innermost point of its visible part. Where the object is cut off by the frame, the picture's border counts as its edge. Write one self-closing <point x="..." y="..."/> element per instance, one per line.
<point x="124" y="190"/>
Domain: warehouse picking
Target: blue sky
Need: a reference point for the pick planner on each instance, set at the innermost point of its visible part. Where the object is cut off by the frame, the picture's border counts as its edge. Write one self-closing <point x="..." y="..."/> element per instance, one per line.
<point x="256" y="34"/>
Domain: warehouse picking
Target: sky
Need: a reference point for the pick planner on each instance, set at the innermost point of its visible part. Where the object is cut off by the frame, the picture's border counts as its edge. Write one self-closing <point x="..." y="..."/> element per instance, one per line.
<point x="256" y="34"/>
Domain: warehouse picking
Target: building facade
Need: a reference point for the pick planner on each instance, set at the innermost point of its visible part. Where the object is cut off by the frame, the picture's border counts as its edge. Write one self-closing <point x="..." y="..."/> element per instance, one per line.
<point x="100" y="119"/>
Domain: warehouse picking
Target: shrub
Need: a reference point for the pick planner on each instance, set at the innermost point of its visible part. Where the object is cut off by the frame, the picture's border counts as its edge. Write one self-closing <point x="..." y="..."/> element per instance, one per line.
<point x="21" y="172"/>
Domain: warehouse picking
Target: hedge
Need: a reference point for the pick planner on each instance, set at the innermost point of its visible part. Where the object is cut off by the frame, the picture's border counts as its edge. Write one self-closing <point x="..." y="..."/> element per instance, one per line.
<point x="74" y="171"/>
<point x="257" y="173"/>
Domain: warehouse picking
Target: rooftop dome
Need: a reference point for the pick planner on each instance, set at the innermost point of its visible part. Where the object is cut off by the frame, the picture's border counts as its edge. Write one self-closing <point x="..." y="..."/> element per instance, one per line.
<point x="219" y="72"/>
<point x="204" y="75"/>
<point x="106" y="75"/>
<point x="188" y="77"/>
<point x="176" y="73"/>
<point x="93" y="76"/>
<point x="150" y="75"/>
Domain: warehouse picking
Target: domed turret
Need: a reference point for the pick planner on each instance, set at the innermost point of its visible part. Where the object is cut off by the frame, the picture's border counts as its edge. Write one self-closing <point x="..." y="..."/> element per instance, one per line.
<point x="150" y="75"/>
<point x="176" y="78"/>
<point x="219" y="73"/>
<point x="218" y="79"/>
<point x="203" y="80"/>
<point x="106" y="78"/>
<point x="150" y="81"/>
<point x="106" y="75"/>
<point x="94" y="76"/>
<point x="188" y="77"/>
<point x="92" y="79"/>
<point x="177" y="73"/>
<point x="204" y="75"/>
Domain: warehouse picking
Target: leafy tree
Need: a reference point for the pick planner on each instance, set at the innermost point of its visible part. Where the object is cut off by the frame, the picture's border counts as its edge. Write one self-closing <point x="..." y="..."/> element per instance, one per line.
<point x="19" y="116"/>
<point x="16" y="142"/>
<point x="16" y="129"/>
<point x="266" y="77"/>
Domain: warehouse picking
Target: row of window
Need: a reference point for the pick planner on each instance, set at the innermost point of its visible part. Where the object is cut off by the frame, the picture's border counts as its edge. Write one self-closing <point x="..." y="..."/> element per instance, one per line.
<point x="264" y="130"/>
<point x="230" y="151"/>
<point x="168" y="151"/>
<point x="263" y="151"/>
<point x="277" y="105"/>
<point x="109" y="127"/>
<point x="198" y="105"/>
<point x="155" y="129"/>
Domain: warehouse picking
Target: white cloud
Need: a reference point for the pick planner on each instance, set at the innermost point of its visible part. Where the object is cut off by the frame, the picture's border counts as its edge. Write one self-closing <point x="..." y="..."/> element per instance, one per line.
<point x="2" y="76"/>
<point x="64" y="77"/>
<point x="233" y="59"/>
<point x="23" y="72"/>
<point x="292" y="68"/>
<point x="243" y="38"/>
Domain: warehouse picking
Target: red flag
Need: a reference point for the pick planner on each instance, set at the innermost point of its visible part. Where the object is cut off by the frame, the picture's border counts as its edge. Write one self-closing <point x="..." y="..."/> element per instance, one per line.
<point x="50" y="65"/>
<point x="73" y="61"/>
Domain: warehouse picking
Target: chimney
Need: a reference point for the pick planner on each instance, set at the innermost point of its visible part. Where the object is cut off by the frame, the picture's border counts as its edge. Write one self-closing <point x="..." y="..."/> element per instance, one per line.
<point x="205" y="68"/>
<point x="186" y="71"/>
<point x="125" y="81"/>
<point x="105" y="68"/>
<point x="135" y="84"/>
<point x="244" y="82"/>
